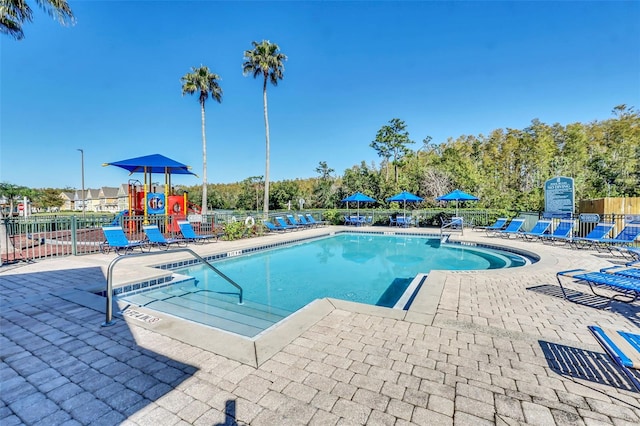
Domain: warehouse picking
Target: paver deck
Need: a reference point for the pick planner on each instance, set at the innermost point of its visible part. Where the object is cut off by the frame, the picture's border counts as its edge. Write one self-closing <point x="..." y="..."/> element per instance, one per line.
<point x="499" y="347"/>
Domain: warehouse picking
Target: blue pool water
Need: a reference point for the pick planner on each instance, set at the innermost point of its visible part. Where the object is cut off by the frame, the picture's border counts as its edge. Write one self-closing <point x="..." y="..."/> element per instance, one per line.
<point x="356" y="267"/>
<point x="365" y="268"/>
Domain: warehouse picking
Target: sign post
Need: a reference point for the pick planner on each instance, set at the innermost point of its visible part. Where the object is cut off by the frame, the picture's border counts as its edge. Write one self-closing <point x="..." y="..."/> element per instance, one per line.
<point x="559" y="195"/>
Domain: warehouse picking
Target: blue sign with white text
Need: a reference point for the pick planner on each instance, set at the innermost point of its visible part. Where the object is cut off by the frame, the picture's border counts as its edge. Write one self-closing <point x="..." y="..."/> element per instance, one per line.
<point x="559" y="195"/>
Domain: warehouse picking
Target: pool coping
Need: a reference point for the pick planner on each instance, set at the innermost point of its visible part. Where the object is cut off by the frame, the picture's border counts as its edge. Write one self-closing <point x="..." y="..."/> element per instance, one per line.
<point x="254" y="351"/>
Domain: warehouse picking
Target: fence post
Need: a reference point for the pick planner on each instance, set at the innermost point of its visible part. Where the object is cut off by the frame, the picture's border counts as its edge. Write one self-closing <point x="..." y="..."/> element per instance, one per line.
<point x="74" y="236"/>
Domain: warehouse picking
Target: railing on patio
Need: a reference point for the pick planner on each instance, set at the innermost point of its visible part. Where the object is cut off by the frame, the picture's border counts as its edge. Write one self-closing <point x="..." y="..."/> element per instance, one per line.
<point x="39" y="237"/>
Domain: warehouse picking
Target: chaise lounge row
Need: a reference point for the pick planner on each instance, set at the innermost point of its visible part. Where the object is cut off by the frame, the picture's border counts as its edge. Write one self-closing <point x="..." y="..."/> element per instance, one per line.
<point x="116" y="239"/>
<point x="291" y="223"/>
<point x="563" y="233"/>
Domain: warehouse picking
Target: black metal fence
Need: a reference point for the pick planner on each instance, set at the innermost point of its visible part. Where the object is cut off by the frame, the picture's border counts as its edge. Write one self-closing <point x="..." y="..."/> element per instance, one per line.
<point x="43" y="236"/>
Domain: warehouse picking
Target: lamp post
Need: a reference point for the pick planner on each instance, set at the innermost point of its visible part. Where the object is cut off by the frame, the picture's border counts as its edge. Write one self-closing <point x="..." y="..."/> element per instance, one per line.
<point x="82" y="168"/>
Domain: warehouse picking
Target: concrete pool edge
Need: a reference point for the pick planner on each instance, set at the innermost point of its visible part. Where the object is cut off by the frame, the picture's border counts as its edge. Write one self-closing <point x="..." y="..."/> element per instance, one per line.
<point x="255" y="351"/>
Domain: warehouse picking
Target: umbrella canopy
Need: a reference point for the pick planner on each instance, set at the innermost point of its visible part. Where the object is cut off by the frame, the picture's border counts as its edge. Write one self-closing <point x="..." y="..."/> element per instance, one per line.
<point x="456" y="196"/>
<point x="358" y="197"/>
<point x="405" y="197"/>
<point x="154" y="163"/>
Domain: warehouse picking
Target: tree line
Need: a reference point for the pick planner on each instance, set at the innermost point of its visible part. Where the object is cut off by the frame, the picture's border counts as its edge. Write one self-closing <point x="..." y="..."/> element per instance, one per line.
<point x="506" y="169"/>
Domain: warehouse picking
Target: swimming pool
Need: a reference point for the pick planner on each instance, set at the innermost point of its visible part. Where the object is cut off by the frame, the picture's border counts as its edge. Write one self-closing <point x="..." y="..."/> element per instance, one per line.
<point x="366" y="268"/>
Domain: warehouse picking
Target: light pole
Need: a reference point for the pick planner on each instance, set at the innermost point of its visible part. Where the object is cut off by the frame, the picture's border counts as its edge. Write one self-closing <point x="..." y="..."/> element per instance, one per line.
<point x="82" y="168"/>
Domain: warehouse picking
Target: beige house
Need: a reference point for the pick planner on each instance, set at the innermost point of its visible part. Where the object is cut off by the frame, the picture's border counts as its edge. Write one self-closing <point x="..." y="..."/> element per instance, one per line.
<point x="108" y="199"/>
<point x="67" y="201"/>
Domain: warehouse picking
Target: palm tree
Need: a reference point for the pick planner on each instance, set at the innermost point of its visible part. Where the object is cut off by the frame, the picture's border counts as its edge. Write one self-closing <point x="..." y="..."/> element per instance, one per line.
<point x="14" y="13"/>
<point x="203" y="81"/>
<point x="266" y="60"/>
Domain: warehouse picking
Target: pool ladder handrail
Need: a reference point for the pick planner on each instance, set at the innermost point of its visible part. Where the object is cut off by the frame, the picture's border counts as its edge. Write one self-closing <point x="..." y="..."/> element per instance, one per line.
<point x="456" y="223"/>
<point x="109" y="310"/>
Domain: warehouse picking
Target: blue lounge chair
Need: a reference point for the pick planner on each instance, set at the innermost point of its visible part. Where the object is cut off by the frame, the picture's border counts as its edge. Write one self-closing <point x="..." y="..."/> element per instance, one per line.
<point x="312" y="220"/>
<point x="280" y="220"/>
<point x="190" y="235"/>
<point x="600" y="231"/>
<point x="623" y="271"/>
<point x="155" y="238"/>
<point x="303" y="221"/>
<point x="513" y="229"/>
<point x="498" y="225"/>
<point x="628" y="289"/>
<point x="295" y="222"/>
<point x="118" y="241"/>
<point x="626" y="237"/>
<point x="562" y="233"/>
<point x="274" y="228"/>
<point x="539" y="229"/>
<point x="631" y="253"/>
<point x="623" y="348"/>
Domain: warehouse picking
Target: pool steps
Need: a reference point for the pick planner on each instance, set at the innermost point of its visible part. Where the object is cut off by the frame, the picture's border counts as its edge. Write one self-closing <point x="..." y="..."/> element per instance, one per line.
<point x="219" y="310"/>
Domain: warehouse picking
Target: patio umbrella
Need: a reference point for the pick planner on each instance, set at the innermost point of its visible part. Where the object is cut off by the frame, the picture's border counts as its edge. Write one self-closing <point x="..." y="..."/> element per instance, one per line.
<point x="405" y="197"/>
<point x="358" y="197"/>
<point x="456" y="196"/>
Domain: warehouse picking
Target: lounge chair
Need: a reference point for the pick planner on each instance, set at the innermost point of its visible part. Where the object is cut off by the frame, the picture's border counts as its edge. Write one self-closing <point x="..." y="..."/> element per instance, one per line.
<point x="562" y="233"/>
<point x="312" y="220"/>
<point x="118" y="241"/>
<point x="628" y="289"/>
<point x="273" y="227"/>
<point x="295" y="222"/>
<point x="539" y="229"/>
<point x="626" y="237"/>
<point x="303" y="221"/>
<point x="623" y="348"/>
<point x="600" y="231"/>
<point x="623" y="271"/>
<point x="280" y="220"/>
<point x="513" y="229"/>
<point x="155" y="238"/>
<point x="190" y="235"/>
<point x="498" y="225"/>
<point x="631" y="253"/>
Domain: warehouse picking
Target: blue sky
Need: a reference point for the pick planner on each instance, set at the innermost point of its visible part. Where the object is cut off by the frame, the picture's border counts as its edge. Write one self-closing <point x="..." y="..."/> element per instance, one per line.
<point x="111" y="84"/>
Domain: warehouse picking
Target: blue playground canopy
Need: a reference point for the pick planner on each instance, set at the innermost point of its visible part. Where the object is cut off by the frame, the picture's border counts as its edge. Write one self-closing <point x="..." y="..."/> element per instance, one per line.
<point x="154" y="163"/>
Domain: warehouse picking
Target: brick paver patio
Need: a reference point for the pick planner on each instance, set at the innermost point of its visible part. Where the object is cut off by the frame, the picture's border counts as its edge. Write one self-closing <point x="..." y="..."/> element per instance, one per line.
<point x="503" y="348"/>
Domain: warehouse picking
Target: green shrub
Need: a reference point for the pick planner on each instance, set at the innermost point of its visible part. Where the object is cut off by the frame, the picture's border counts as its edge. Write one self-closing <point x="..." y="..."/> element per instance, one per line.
<point x="234" y="231"/>
<point x="333" y="216"/>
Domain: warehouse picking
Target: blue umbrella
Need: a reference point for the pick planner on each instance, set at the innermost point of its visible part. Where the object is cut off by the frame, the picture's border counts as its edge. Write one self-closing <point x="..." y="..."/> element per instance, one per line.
<point x="154" y="163"/>
<point x="358" y="197"/>
<point x="405" y="197"/>
<point x="456" y="196"/>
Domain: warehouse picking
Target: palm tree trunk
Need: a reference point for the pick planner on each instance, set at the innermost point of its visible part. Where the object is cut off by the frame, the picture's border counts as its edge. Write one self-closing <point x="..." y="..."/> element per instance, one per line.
<point x="204" y="167"/>
<point x="266" y="172"/>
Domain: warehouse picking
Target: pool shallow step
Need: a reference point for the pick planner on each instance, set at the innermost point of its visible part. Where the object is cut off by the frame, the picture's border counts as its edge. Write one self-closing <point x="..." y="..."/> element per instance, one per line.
<point x="219" y="310"/>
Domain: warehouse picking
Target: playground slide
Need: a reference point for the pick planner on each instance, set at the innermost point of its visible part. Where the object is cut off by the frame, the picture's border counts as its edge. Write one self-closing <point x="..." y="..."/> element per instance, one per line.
<point x="116" y="220"/>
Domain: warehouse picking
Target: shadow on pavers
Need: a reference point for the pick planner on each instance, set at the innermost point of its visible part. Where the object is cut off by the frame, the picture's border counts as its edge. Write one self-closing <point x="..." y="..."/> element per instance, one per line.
<point x="630" y="311"/>
<point x="586" y="365"/>
<point x="60" y="364"/>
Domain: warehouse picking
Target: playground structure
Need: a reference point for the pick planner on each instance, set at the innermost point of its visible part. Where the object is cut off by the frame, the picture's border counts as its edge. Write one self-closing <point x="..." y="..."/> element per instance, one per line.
<point x="144" y="201"/>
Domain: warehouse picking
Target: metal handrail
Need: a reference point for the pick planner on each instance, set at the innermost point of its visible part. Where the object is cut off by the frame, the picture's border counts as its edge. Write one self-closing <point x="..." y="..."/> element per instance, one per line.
<point x="109" y="314"/>
<point x="452" y="223"/>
